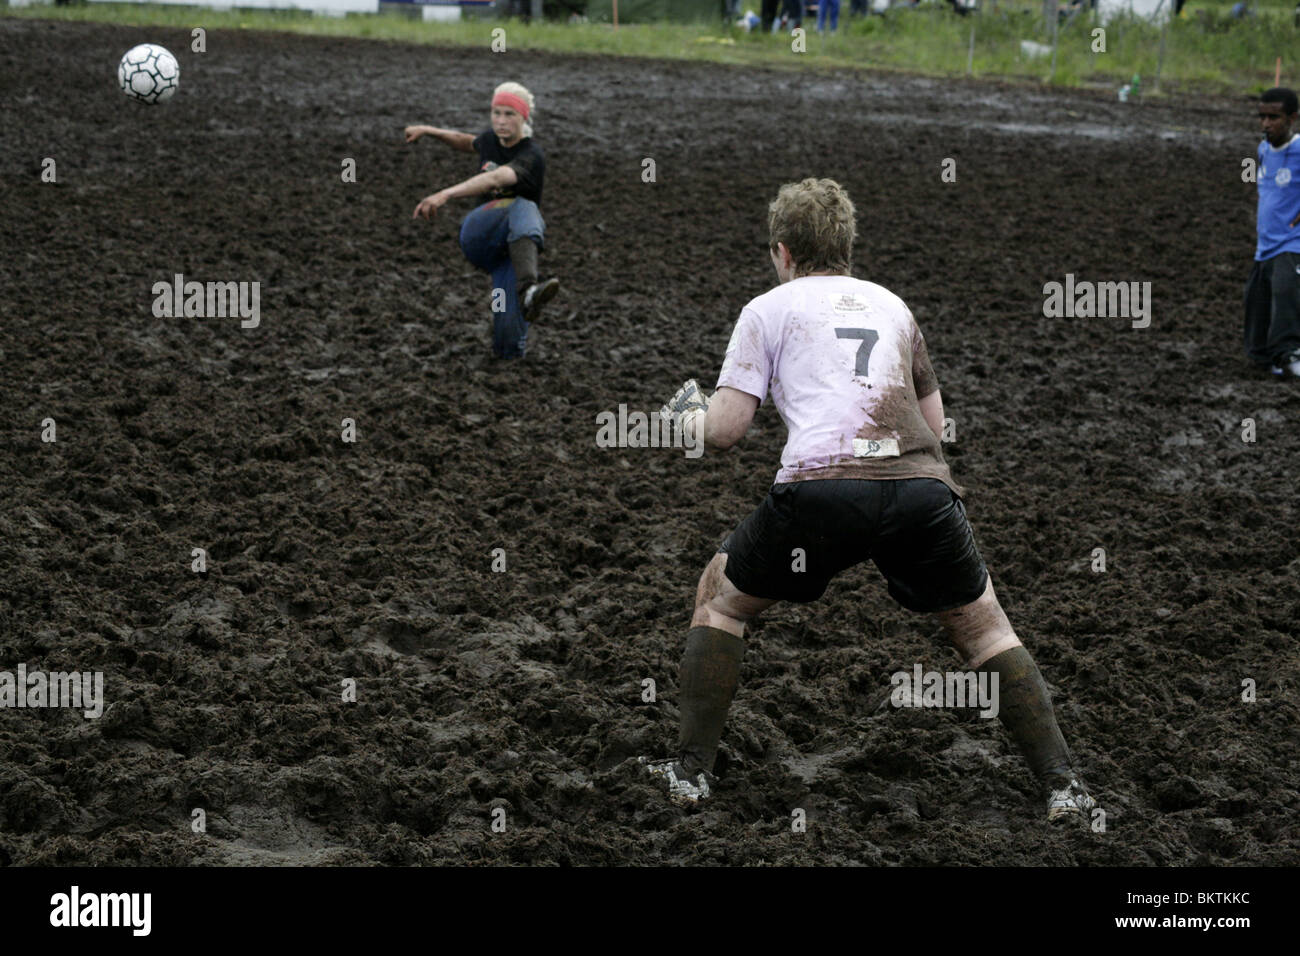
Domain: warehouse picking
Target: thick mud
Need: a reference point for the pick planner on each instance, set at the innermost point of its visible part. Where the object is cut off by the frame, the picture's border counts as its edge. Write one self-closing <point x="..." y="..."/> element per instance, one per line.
<point x="521" y="689"/>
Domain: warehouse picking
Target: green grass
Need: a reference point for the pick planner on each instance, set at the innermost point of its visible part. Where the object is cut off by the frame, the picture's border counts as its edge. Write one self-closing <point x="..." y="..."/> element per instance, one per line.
<point x="1205" y="51"/>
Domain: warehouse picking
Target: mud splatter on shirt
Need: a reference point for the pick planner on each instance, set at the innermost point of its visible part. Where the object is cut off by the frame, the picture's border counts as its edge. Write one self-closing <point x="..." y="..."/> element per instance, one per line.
<point x="846" y="366"/>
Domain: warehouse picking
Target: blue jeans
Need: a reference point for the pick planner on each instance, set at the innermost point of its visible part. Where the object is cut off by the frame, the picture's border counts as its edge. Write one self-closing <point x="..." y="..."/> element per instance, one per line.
<point x="824" y="7"/>
<point x="485" y="238"/>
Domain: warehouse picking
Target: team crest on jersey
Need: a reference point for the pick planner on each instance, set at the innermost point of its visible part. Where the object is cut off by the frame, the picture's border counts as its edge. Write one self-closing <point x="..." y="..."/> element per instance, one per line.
<point x="1283" y="176"/>
<point x="850" y="302"/>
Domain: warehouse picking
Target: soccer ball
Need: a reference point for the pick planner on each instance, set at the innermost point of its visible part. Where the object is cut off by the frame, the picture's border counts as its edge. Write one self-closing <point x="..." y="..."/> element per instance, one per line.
<point x="149" y="73"/>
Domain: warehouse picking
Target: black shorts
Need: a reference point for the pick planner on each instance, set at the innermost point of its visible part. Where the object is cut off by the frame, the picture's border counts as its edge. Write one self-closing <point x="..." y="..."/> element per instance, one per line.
<point x="806" y="532"/>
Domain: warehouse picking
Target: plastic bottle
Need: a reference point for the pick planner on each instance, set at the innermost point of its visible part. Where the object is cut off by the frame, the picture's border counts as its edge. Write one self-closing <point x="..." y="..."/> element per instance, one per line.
<point x="1136" y="86"/>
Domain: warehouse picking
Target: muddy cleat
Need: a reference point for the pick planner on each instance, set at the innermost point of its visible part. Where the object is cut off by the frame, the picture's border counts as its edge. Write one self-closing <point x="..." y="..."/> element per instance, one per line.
<point x="1071" y="800"/>
<point x="683" y="789"/>
<point x="537" y="295"/>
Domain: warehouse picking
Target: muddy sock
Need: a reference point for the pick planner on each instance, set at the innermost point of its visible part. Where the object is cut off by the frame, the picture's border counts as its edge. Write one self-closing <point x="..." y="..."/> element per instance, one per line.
<point x="1026" y="711"/>
<point x="709" y="674"/>
<point x="523" y="254"/>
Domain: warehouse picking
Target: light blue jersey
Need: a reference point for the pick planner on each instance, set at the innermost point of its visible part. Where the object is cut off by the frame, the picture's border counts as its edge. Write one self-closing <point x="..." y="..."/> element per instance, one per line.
<point x="1278" y="182"/>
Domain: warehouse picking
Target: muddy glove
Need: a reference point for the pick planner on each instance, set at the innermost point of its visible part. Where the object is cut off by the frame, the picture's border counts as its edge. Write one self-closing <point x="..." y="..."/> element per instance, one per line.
<point x="685" y="412"/>
<point x="686" y="406"/>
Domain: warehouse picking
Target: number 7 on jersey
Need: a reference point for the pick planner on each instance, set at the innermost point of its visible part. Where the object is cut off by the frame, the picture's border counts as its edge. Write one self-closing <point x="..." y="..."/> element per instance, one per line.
<point x="869" y="339"/>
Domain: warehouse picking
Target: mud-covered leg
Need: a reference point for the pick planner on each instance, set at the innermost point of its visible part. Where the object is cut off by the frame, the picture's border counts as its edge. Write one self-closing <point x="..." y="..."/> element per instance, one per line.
<point x="981" y="632"/>
<point x="526" y="238"/>
<point x="707" y="680"/>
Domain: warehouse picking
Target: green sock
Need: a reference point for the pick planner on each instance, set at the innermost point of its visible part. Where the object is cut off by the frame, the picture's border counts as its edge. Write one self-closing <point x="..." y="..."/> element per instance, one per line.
<point x="710" y="671"/>
<point x="1025" y="708"/>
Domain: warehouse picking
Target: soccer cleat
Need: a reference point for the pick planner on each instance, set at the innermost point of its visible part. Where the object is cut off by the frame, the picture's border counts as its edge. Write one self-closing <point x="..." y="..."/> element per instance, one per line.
<point x="683" y="789"/>
<point x="1290" y="366"/>
<point x="1070" y="800"/>
<point x="537" y="295"/>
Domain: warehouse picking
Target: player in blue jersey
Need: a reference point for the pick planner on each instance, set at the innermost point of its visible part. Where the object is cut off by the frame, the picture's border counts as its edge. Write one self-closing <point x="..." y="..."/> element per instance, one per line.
<point x="1273" y="290"/>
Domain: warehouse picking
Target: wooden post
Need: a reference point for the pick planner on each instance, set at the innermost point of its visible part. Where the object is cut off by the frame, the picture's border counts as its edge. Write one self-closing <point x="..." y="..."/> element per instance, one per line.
<point x="1055" y="18"/>
<point x="1160" y="59"/>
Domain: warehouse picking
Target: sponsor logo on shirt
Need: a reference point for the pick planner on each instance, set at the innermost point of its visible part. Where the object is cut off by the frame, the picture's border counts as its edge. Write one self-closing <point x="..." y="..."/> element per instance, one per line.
<point x="873" y="448"/>
<point x="850" y="302"/>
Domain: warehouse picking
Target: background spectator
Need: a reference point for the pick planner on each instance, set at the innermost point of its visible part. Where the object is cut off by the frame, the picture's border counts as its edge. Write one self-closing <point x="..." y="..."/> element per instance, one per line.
<point x="825" y="9"/>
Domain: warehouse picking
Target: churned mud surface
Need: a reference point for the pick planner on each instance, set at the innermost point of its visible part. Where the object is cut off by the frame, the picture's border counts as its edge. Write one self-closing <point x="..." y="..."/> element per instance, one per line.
<point x="522" y="689"/>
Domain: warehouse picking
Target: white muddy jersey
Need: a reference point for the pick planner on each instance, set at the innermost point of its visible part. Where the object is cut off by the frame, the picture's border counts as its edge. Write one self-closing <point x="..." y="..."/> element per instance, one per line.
<point x="845" y="364"/>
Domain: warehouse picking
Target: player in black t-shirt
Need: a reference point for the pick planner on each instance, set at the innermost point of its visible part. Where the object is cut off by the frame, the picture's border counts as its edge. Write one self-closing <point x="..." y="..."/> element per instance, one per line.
<point x="504" y="234"/>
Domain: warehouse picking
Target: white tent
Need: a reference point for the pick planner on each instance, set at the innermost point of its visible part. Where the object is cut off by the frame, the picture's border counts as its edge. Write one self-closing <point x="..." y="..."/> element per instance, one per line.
<point x="1154" y="10"/>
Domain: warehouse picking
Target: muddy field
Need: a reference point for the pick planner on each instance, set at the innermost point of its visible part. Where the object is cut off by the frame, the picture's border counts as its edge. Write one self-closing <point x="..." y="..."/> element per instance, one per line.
<point x="521" y="689"/>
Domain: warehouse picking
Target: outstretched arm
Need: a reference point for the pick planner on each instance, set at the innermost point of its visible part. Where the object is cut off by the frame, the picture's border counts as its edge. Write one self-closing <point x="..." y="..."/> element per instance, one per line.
<point x="718" y="422"/>
<point x="456" y="140"/>
<point x="474" y="186"/>
<point x="728" y="418"/>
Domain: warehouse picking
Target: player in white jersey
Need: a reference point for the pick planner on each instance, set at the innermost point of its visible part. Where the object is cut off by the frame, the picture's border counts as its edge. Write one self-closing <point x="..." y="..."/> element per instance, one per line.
<point x="862" y="476"/>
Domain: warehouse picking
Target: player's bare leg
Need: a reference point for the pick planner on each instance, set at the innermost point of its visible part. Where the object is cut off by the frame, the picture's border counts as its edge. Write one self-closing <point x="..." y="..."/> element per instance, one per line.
<point x="710" y="672"/>
<point x="721" y="605"/>
<point x="982" y="634"/>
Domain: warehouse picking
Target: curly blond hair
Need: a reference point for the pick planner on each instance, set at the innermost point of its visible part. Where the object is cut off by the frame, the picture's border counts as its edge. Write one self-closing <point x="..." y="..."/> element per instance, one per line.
<point x="817" y="222"/>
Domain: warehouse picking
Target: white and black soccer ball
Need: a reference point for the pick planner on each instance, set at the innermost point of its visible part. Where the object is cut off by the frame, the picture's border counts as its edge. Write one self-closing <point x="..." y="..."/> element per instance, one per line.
<point x="149" y="73"/>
